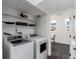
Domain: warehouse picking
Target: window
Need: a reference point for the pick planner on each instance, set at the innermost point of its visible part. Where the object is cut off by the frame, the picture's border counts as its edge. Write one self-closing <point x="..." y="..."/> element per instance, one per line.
<point x="35" y="2"/>
<point x="53" y="25"/>
<point x="67" y="24"/>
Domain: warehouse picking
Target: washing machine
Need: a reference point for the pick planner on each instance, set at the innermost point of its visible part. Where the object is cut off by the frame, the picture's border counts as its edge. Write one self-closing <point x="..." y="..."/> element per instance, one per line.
<point x="40" y="47"/>
<point x="17" y="48"/>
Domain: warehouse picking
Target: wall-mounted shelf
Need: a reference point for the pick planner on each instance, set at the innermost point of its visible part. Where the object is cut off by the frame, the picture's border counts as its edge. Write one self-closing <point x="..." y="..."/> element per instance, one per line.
<point x="32" y="25"/>
<point x="8" y="22"/>
<point x="18" y="17"/>
<point x="20" y="23"/>
<point x="16" y="23"/>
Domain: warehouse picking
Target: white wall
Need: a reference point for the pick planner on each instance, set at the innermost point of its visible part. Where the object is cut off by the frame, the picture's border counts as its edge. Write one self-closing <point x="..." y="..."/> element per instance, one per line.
<point x="11" y="28"/>
<point x="62" y="36"/>
<point x="44" y="30"/>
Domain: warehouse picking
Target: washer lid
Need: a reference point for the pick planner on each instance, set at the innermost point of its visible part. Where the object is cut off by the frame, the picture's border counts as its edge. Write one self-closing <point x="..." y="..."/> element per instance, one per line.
<point x="19" y="42"/>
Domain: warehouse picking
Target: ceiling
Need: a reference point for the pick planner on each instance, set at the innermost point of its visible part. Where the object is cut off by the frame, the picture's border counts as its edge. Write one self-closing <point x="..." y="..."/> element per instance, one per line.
<point x="52" y="6"/>
<point x="23" y="6"/>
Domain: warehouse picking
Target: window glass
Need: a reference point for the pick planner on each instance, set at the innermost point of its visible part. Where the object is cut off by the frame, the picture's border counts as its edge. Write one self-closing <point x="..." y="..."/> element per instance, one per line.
<point x="53" y="25"/>
<point x="67" y="24"/>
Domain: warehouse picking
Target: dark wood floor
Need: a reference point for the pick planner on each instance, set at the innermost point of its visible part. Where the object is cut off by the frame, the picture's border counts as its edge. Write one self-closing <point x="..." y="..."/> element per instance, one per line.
<point x="60" y="51"/>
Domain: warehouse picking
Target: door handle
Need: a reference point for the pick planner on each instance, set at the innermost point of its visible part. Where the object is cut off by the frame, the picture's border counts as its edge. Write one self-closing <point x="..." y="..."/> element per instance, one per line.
<point x="73" y="37"/>
<point x="69" y="36"/>
<point x="74" y="48"/>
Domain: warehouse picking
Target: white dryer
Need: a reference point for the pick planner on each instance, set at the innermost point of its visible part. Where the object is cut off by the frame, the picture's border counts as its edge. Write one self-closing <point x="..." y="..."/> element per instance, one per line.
<point x="40" y="47"/>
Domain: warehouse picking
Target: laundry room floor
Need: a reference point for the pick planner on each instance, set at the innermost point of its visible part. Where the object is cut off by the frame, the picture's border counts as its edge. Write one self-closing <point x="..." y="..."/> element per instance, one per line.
<point x="60" y="51"/>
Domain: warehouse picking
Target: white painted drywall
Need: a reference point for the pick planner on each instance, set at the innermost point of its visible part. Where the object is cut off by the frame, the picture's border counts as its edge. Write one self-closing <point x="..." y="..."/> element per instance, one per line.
<point x="52" y="6"/>
<point x="44" y="30"/>
<point x="62" y="36"/>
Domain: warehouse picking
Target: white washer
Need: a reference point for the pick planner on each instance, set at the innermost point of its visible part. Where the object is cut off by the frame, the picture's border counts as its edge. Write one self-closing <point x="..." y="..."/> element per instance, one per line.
<point x="18" y="50"/>
<point x="40" y="47"/>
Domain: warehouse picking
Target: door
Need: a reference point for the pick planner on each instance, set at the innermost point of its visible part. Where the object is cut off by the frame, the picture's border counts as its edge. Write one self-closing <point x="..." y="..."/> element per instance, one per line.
<point x="73" y="39"/>
<point x="70" y="29"/>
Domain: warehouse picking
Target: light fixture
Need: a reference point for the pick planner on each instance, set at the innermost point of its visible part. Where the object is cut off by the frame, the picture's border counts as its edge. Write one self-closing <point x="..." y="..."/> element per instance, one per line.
<point x="53" y="21"/>
<point x="35" y="2"/>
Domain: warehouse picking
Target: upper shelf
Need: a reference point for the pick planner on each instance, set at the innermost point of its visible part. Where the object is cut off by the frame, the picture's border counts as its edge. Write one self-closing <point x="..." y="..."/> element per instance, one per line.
<point x="20" y="23"/>
<point x="8" y="22"/>
<point x="6" y="14"/>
